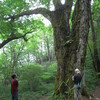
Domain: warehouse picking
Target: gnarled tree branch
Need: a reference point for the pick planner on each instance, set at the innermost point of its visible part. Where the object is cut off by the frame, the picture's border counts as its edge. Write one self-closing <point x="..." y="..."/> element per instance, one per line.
<point x="46" y="13"/>
<point x="8" y="40"/>
<point x="13" y="38"/>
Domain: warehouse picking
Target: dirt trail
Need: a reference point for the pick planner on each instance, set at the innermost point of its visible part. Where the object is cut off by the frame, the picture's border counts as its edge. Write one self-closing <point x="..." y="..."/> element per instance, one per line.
<point x="96" y="95"/>
<point x="42" y="98"/>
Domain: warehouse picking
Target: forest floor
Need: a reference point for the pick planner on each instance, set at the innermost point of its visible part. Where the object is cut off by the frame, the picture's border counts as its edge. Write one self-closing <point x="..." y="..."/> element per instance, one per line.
<point x="96" y="95"/>
<point x="42" y="98"/>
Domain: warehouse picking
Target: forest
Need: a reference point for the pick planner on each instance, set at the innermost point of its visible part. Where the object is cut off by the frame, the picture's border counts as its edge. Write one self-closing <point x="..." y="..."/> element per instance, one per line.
<point x="43" y="41"/>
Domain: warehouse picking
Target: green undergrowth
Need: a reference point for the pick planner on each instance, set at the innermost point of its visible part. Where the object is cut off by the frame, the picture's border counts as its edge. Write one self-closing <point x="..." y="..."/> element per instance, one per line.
<point x="34" y="81"/>
<point x="91" y="78"/>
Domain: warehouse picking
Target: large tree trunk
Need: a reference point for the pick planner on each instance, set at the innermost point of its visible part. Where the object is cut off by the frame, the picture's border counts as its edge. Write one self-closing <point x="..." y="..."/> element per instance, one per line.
<point x="70" y="49"/>
<point x="81" y="31"/>
<point x="62" y="49"/>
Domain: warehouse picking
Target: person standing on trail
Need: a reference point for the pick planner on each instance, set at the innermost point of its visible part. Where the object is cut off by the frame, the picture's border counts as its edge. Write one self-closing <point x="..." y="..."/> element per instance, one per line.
<point x="14" y="87"/>
<point x="77" y="84"/>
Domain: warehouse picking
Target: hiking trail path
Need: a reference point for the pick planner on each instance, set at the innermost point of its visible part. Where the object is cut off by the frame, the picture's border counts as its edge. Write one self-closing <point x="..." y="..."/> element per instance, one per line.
<point x="96" y="95"/>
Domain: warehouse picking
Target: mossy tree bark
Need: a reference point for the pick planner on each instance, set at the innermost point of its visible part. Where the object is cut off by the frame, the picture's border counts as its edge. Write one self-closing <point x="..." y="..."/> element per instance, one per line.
<point x="73" y="54"/>
<point x="70" y="46"/>
<point x="62" y="42"/>
<point x="81" y="29"/>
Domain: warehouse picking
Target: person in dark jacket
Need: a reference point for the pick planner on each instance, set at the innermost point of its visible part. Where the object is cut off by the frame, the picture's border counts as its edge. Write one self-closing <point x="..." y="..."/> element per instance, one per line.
<point x="14" y="87"/>
<point x="77" y="84"/>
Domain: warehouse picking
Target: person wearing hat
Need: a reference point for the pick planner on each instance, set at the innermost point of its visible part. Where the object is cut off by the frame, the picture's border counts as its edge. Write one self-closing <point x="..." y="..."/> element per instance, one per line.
<point x="77" y="84"/>
<point x="14" y="87"/>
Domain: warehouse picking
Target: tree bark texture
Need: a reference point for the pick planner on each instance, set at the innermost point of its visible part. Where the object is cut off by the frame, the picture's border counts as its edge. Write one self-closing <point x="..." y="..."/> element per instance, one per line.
<point x="48" y="49"/>
<point x="70" y="46"/>
<point x="81" y="32"/>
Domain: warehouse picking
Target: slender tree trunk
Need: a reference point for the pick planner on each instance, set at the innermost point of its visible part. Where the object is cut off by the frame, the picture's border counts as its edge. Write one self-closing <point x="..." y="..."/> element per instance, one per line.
<point x="41" y="54"/>
<point x="11" y="61"/>
<point x="48" y="48"/>
<point x="28" y="58"/>
<point x="92" y="56"/>
<point x="96" y="58"/>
